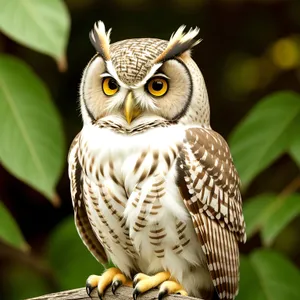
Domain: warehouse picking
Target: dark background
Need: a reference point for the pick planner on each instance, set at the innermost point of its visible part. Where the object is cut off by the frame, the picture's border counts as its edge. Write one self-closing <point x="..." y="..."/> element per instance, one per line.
<point x="237" y="58"/>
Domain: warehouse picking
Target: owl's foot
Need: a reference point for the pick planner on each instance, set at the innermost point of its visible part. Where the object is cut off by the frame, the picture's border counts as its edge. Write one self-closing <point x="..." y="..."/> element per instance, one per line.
<point x="171" y="287"/>
<point x="143" y="283"/>
<point x="112" y="276"/>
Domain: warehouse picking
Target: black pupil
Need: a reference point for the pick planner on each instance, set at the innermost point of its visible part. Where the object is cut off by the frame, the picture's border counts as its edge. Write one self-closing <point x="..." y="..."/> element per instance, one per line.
<point x="112" y="84"/>
<point x="157" y="85"/>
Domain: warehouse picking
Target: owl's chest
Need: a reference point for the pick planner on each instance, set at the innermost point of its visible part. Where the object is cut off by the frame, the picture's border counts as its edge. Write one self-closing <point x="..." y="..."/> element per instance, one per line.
<point x="132" y="195"/>
<point x="129" y="160"/>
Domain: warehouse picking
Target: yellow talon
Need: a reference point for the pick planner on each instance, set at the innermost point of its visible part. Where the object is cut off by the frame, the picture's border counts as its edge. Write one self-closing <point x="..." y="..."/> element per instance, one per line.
<point x="171" y="287"/>
<point x="138" y="277"/>
<point x="143" y="283"/>
<point x="112" y="276"/>
<point x="91" y="283"/>
<point x="106" y="279"/>
<point x="118" y="280"/>
<point x="167" y="285"/>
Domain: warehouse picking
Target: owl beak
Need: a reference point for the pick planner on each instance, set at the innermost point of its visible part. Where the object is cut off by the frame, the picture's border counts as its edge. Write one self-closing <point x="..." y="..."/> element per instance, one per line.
<point x="131" y="111"/>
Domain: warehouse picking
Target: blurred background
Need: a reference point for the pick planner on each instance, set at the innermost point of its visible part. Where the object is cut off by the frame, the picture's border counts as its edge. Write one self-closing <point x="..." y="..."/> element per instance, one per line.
<point x="250" y="50"/>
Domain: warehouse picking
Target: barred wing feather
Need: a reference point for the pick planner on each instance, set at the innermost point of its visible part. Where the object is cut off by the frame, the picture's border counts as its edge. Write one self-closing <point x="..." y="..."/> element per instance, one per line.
<point x="209" y="184"/>
<point x="82" y="222"/>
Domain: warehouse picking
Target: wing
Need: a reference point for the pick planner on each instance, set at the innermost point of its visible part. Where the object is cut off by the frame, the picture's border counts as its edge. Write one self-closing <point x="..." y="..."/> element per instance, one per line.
<point x="82" y="223"/>
<point x="209" y="184"/>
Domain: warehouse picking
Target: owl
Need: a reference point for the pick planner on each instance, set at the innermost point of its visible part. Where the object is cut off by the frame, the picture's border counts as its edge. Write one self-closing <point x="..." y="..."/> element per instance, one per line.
<point x="153" y="187"/>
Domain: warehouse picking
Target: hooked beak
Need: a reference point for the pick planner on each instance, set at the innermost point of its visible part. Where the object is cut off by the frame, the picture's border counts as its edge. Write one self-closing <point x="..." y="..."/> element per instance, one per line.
<point x="131" y="111"/>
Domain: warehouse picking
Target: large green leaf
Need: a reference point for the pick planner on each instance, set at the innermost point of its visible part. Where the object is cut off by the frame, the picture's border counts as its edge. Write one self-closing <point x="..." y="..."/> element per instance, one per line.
<point x="9" y="230"/>
<point x="70" y="259"/>
<point x="40" y="25"/>
<point x="255" y="212"/>
<point x="264" y="134"/>
<point x="32" y="140"/>
<point x="280" y="213"/>
<point x="269" y="214"/>
<point x="267" y="275"/>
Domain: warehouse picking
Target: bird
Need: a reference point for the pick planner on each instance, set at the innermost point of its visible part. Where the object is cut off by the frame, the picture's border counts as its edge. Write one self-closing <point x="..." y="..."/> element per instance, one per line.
<point x="153" y="186"/>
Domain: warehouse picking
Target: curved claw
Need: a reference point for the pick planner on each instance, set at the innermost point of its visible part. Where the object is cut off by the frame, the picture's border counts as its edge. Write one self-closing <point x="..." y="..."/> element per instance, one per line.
<point x="162" y="294"/>
<point x="89" y="289"/>
<point x="91" y="283"/>
<point x="100" y="295"/>
<point x="112" y="276"/>
<point x="135" y="294"/>
<point x="115" y="285"/>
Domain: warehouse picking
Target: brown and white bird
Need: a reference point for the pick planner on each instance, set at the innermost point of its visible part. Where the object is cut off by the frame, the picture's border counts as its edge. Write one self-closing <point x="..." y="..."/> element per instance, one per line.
<point x="154" y="188"/>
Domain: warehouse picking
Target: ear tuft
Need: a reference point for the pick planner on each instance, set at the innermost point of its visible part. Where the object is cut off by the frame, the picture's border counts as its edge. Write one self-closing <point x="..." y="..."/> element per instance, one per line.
<point x="101" y="39"/>
<point x="179" y="43"/>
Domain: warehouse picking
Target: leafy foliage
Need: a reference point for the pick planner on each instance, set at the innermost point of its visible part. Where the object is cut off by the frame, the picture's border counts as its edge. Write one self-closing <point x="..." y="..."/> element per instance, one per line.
<point x="255" y="213"/>
<point x="65" y="243"/>
<point x="32" y="145"/>
<point x="266" y="275"/>
<point x="270" y="214"/>
<point x="280" y="214"/>
<point x="295" y="149"/>
<point x="9" y="230"/>
<point x="40" y="25"/>
<point x="268" y="131"/>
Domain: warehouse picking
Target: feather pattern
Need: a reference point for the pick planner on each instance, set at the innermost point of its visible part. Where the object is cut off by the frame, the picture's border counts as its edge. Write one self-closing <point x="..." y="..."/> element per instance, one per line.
<point x="127" y="214"/>
<point x="156" y="194"/>
<point x="82" y="222"/>
<point x="210" y="188"/>
<point x="133" y="205"/>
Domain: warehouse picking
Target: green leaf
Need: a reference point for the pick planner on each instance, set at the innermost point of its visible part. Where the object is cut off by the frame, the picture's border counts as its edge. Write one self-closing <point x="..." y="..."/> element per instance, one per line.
<point x="294" y="150"/>
<point x="32" y="142"/>
<point x="70" y="259"/>
<point x="280" y="214"/>
<point x="249" y="282"/>
<point x="255" y="212"/>
<point x="9" y="230"/>
<point x="267" y="275"/>
<point x="264" y="134"/>
<point x="269" y="214"/>
<point x="41" y="25"/>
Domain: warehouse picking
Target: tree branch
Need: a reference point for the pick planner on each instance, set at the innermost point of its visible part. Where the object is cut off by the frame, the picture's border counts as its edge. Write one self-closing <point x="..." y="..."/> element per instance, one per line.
<point x="123" y="293"/>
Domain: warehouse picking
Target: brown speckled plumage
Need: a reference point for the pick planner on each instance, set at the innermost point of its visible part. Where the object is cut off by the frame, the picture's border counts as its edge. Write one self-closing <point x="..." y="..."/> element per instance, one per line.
<point x="160" y="192"/>
<point x="130" y="65"/>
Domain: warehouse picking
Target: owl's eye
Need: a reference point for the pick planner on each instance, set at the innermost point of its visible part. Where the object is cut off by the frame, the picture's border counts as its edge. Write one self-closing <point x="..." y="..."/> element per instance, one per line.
<point x="157" y="86"/>
<point x="109" y="86"/>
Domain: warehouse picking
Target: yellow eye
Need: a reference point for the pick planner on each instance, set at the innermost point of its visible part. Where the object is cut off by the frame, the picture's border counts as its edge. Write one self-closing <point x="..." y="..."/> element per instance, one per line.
<point x="109" y="86"/>
<point x="157" y="86"/>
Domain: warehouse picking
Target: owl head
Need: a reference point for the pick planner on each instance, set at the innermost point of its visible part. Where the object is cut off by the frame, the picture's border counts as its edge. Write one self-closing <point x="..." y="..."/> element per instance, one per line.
<point x="143" y="79"/>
